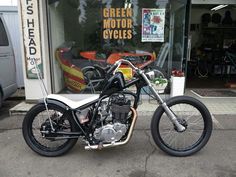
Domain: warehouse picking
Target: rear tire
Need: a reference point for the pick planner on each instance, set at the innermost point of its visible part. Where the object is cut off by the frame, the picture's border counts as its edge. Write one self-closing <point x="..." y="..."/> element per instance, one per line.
<point x="197" y="122"/>
<point x="32" y="125"/>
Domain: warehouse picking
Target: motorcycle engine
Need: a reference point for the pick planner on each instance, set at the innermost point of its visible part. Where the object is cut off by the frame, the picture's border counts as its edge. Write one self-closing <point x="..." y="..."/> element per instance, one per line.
<point x="113" y="115"/>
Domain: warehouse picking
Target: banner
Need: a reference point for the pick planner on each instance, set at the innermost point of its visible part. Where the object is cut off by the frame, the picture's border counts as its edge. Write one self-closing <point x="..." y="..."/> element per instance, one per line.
<point x="153" y="25"/>
<point x="31" y="37"/>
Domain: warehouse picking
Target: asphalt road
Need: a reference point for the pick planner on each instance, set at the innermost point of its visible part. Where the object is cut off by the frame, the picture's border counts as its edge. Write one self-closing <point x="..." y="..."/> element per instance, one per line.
<point x="139" y="158"/>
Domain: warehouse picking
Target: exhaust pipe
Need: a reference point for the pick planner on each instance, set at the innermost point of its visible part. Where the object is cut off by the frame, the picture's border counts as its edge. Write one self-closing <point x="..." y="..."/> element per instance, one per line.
<point x="100" y="146"/>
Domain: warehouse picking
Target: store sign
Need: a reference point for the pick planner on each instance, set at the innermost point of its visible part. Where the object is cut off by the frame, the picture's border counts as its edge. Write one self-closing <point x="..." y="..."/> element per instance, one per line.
<point x="117" y="23"/>
<point x="31" y="37"/>
<point x="153" y="25"/>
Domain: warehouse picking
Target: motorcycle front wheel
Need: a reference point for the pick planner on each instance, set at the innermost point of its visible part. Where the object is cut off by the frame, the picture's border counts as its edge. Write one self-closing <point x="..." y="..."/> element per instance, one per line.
<point x="193" y="115"/>
<point x="36" y="122"/>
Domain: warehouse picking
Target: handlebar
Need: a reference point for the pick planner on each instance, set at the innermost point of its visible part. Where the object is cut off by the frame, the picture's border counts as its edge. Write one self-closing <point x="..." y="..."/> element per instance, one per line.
<point x="119" y="62"/>
<point x="113" y="67"/>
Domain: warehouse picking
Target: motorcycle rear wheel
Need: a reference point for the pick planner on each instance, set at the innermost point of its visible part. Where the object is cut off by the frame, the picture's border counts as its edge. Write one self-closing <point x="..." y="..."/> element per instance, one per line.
<point x="193" y="115"/>
<point x="36" y="118"/>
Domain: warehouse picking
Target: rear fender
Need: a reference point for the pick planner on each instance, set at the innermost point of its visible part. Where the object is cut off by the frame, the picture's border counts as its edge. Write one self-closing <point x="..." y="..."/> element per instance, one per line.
<point x="67" y="108"/>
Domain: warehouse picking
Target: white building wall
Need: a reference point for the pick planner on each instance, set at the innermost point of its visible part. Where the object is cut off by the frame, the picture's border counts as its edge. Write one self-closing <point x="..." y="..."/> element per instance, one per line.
<point x="33" y="89"/>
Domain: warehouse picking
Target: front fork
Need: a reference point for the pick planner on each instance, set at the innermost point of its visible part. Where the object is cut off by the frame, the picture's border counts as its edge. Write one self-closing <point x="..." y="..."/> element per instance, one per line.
<point x="167" y="110"/>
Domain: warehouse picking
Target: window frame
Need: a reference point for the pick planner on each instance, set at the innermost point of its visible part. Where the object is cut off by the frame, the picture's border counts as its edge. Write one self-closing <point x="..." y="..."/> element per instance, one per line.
<point x="5" y="40"/>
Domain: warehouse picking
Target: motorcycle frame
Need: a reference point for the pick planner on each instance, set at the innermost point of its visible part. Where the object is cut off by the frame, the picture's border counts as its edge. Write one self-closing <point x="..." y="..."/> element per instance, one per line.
<point x="81" y="132"/>
<point x="141" y="81"/>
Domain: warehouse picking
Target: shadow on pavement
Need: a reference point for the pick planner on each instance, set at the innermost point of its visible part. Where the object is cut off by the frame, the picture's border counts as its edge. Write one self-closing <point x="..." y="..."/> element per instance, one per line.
<point x="8" y="104"/>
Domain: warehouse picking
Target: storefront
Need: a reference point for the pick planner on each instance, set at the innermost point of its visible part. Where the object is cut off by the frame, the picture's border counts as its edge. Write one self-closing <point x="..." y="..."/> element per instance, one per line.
<point x="68" y="38"/>
<point x="212" y="30"/>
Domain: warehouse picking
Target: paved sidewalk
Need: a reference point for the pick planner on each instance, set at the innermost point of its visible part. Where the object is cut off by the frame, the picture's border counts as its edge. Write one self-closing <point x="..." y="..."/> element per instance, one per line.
<point x="139" y="158"/>
<point x="217" y="106"/>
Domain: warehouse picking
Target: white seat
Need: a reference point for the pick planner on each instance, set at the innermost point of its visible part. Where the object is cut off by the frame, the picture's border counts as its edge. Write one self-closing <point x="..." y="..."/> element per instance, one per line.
<point x="72" y="104"/>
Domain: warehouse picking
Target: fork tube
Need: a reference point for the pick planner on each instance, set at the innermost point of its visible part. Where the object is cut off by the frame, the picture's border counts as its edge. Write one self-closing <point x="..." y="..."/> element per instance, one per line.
<point x="168" y="111"/>
<point x="159" y="99"/>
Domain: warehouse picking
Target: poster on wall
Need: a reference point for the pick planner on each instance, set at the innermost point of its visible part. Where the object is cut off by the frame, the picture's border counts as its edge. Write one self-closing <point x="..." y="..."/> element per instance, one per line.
<point x="31" y="37"/>
<point x="153" y="25"/>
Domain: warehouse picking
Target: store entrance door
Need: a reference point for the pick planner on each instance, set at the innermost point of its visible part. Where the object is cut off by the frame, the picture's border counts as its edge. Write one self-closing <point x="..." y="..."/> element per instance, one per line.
<point x="212" y="62"/>
<point x="179" y="25"/>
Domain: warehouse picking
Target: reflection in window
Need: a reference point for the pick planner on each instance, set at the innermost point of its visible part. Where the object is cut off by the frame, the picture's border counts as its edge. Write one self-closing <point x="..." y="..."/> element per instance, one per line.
<point x="97" y="32"/>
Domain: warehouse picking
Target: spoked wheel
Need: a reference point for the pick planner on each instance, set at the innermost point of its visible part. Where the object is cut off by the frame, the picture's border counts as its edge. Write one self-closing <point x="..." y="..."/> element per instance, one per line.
<point x="93" y="76"/>
<point x="193" y="115"/>
<point x="37" y="127"/>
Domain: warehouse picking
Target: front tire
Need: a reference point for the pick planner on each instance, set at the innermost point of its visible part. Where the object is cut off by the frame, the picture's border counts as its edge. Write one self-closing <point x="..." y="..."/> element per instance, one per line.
<point x="36" y="118"/>
<point x="192" y="114"/>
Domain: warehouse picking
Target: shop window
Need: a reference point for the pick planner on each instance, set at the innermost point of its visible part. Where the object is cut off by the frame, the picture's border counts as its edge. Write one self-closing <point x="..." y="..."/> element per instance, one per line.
<point x="88" y="35"/>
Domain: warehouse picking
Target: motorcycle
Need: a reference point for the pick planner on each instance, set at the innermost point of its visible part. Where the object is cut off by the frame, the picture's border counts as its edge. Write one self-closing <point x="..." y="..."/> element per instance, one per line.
<point x="100" y="61"/>
<point x="180" y="126"/>
<point x="95" y="73"/>
<point x="140" y="59"/>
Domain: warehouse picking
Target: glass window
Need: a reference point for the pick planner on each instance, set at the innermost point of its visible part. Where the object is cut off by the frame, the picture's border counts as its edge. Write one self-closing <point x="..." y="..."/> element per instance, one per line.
<point x="3" y="35"/>
<point x="179" y="11"/>
<point x="88" y="35"/>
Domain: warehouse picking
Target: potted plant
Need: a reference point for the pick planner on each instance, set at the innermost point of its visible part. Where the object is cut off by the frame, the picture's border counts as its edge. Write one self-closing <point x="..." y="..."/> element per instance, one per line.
<point x="160" y="83"/>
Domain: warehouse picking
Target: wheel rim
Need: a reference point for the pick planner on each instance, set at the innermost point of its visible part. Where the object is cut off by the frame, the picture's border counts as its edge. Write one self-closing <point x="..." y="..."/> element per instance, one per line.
<point x="191" y="137"/>
<point x="36" y="135"/>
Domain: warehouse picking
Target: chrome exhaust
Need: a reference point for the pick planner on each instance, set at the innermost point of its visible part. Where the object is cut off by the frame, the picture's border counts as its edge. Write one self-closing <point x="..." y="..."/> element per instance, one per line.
<point x="100" y="146"/>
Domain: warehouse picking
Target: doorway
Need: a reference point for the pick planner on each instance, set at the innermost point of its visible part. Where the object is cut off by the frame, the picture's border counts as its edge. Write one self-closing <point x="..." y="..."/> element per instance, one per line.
<point x="212" y="62"/>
